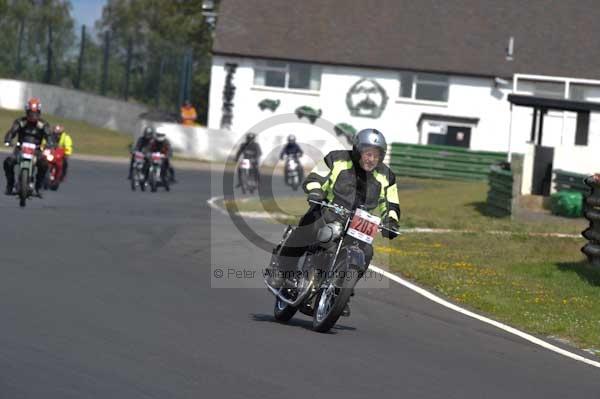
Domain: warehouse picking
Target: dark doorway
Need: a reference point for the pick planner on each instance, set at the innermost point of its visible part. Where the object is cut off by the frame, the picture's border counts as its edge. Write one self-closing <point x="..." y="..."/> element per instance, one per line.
<point x="582" y="129"/>
<point x="542" y="170"/>
<point x="458" y="136"/>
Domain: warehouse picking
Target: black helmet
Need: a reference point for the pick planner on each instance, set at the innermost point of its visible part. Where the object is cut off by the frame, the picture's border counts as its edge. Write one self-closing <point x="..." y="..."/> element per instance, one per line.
<point x="369" y="138"/>
<point x="148" y="132"/>
<point x="250" y="137"/>
<point x="291" y="138"/>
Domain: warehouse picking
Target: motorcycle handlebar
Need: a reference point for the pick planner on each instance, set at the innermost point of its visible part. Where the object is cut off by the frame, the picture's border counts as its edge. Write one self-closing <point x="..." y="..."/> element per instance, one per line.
<point x="341" y="210"/>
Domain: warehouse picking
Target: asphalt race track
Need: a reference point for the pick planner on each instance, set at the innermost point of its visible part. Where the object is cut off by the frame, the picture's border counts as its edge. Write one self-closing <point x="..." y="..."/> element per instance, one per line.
<point x="106" y="293"/>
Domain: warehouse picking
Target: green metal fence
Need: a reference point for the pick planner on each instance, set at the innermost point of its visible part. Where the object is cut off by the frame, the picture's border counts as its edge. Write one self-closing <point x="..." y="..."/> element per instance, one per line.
<point x="500" y="194"/>
<point x="564" y="180"/>
<point x="442" y="162"/>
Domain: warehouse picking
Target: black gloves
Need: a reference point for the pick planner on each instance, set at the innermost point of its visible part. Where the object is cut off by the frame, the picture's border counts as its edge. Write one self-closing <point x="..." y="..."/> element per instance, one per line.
<point x="390" y="224"/>
<point x="316" y="195"/>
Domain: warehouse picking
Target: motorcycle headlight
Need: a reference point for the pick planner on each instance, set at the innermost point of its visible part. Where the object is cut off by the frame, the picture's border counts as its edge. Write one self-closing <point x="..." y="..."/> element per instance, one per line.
<point x="50" y="157"/>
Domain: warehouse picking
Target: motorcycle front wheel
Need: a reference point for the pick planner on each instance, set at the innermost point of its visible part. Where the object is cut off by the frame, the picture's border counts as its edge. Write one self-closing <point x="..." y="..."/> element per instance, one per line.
<point x="282" y="311"/>
<point x="23" y="187"/>
<point x="330" y="303"/>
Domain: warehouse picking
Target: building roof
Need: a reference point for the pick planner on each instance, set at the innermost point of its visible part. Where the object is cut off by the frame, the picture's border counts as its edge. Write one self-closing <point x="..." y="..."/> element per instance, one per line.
<point x="553" y="103"/>
<point x="556" y="38"/>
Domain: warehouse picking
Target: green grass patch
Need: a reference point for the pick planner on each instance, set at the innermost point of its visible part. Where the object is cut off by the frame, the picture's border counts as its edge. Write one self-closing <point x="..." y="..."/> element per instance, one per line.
<point x="542" y="285"/>
<point x="87" y="139"/>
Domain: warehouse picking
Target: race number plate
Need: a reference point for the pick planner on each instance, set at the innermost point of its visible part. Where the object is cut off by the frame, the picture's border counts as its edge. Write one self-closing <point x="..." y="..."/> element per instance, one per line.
<point x="139" y="156"/>
<point x="245" y="164"/>
<point x="156" y="156"/>
<point x="364" y="226"/>
<point x="28" y="150"/>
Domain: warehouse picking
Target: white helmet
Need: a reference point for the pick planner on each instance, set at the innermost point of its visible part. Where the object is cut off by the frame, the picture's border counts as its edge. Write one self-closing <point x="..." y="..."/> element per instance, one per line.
<point x="160" y="137"/>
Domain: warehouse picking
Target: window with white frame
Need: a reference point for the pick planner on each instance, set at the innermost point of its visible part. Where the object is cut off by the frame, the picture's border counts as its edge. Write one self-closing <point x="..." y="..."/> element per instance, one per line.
<point x="541" y="88"/>
<point x="557" y="87"/>
<point x="424" y="86"/>
<point x="584" y="92"/>
<point x="289" y="75"/>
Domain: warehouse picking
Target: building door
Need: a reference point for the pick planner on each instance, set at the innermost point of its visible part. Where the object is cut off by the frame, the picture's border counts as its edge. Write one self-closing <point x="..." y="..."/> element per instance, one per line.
<point x="458" y="136"/>
<point x="542" y="170"/>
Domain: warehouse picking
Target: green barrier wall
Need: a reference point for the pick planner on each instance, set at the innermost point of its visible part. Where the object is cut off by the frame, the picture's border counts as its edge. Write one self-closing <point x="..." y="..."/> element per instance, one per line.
<point x="442" y="162"/>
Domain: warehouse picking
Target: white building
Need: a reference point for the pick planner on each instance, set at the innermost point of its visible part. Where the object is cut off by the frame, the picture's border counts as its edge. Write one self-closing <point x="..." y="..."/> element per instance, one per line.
<point x="425" y="72"/>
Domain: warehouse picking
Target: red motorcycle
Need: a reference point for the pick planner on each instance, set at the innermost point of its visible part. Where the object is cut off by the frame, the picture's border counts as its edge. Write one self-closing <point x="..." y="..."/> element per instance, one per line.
<point x="55" y="157"/>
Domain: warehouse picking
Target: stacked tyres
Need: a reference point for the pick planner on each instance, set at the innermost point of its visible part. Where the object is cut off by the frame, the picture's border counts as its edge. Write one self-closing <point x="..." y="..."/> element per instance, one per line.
<point x="592" y="213"/>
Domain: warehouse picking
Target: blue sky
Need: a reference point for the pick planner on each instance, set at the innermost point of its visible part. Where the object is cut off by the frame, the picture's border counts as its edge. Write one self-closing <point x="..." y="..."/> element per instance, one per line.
<point x="86" y="12"/>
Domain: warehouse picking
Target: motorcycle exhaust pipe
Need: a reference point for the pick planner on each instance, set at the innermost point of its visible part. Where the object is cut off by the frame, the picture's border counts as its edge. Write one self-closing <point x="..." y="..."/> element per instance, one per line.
<point x="297" y="301"/>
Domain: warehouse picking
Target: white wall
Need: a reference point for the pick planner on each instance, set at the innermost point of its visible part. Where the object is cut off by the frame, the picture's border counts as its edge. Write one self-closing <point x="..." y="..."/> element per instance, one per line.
<point x="469" y="97"/>
<point x="576" y="159"/>
<point x="72" y="104"/>
<point x="219" y="145"/>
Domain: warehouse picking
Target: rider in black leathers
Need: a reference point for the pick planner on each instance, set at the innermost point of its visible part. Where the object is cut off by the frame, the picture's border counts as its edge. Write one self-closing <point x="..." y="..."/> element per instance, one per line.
<point x="292" y="149"/>
<point x="251" y="150"/>
<point x="143" y="145"/>
<point x="28" y="129"/>
<point x="161" y="144"/>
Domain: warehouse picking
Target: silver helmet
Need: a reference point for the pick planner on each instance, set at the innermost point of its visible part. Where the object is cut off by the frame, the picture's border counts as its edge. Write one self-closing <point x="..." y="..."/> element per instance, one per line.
<point x="369" y="138"/>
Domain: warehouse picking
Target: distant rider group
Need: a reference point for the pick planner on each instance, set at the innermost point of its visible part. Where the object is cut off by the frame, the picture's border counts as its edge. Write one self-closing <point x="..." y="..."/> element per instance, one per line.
<point x="151" y="161"/>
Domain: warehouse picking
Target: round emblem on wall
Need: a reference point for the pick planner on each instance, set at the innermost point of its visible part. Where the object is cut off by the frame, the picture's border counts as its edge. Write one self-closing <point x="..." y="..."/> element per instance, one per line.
<point x="366" y="98"/>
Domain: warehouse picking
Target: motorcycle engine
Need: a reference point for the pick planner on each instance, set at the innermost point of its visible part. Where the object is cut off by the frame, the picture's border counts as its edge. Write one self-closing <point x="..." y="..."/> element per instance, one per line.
<point x="328" y="234"/>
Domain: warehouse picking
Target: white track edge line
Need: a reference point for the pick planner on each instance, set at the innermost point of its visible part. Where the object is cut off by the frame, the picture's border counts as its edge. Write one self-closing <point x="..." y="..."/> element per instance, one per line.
<point x="484" y="319"/>
<point x="449" y="305"/>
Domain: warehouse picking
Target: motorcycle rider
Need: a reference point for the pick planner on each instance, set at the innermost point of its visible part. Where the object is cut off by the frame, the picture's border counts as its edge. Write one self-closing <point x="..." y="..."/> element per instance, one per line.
<point x="291" y="149"/>
<point x="163" y="145"/>
<point x="28" y="129"/>
<point x="62" y="139"/>
<point x="143" y="145"/>
<point x="351" y="179"/>
<point x="250" y="150"/>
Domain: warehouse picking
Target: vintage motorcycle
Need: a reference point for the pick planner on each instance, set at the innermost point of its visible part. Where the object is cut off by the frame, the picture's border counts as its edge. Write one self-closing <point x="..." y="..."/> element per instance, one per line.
<point x="293" y="172"/>
<point x="138" y="176"/>
<point x="26" y="171"/>
<point x="327" y="272"/>
<point x="248" y="176"/>
<point x="157" y="173"/>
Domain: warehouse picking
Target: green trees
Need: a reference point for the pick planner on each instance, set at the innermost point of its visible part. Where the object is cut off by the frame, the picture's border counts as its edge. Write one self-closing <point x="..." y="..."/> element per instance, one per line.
<point x="150" y="51"/>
